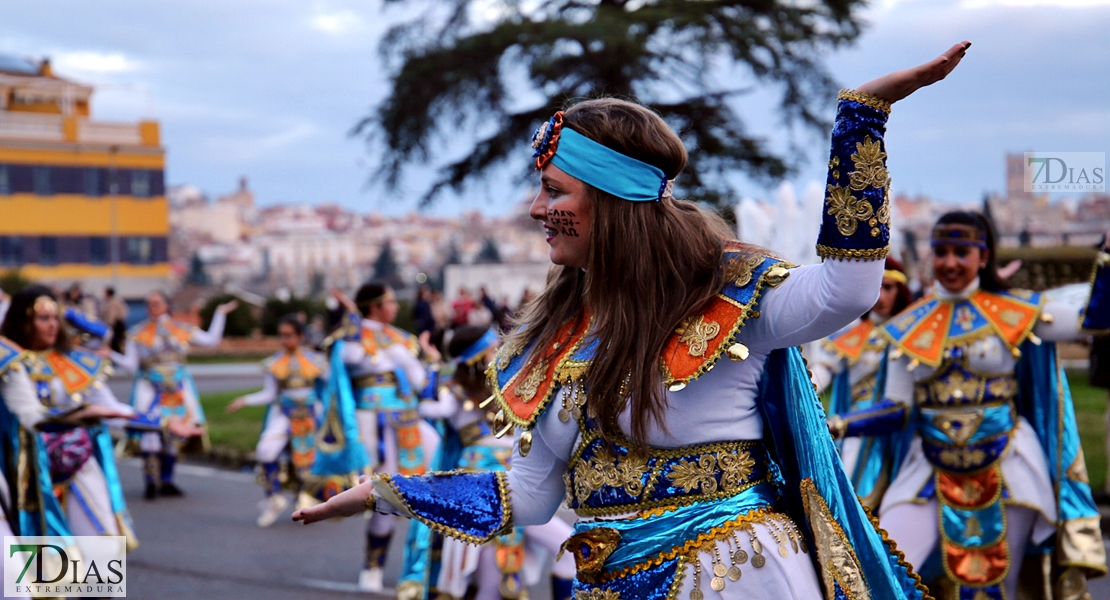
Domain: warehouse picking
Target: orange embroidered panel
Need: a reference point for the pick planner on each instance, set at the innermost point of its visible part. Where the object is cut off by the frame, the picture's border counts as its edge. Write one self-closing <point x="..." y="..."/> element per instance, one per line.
<point x="1012" y="318"/>
<point x="686" y="353"/>
<point x="978" y="566"/>
<point x="970" y="491"/>
<point x="851" y="343"/>
<point x="926" y="341"/>
<point x="279" y="365"/>
<point x="74" y="378"/>
<point x="528" y="390"/>
<point x="147" y="334"/>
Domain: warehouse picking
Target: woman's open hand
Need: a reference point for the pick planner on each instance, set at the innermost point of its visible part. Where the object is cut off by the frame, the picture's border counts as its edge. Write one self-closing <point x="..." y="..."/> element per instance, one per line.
<point x="892" y="87"/>
<point x="346" y="504"/>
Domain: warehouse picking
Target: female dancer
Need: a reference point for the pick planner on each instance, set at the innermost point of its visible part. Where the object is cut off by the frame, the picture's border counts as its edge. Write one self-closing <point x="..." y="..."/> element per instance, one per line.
<point x="164" y="395"/>
<point x="852" y="361"/>
<point x="382" y="364"/>
<point x="682" y="467"/>
<point x="995" y="468"/>
<point x="496" y="569"/>
<point x="295" y="377"/>
<point x="67" y="380"/>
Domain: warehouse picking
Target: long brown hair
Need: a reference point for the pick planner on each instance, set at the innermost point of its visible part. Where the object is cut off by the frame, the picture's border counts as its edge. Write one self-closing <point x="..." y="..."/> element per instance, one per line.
<point x="19" y="323"/>
<point x="650" y="265"/>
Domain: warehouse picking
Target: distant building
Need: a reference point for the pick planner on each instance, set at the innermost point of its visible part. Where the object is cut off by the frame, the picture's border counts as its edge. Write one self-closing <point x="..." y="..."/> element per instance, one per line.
<point x="82" y="200"/>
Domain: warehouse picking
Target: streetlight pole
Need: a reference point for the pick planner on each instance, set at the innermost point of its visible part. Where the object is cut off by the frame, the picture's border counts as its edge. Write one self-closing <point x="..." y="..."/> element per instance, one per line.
<point x="113" y="191"/>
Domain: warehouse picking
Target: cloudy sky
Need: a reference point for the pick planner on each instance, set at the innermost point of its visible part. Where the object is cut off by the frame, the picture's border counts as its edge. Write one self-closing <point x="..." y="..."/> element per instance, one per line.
<point x="270" y="89"/>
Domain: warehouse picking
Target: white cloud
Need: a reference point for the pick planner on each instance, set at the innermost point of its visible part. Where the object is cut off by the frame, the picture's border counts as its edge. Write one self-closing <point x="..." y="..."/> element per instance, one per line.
<point x="90" y="62"/>
<point x="336" y="22"/>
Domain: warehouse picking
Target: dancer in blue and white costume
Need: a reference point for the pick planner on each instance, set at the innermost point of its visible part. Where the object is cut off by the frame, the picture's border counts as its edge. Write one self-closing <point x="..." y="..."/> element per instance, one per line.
<point x="67" y="381"/>
<point x="683" y="466"/>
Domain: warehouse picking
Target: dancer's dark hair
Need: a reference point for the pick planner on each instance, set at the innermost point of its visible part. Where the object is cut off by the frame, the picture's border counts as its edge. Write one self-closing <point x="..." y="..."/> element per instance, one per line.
<point x="369" y="294"/>
<point x="19" y="323"/>
<point x="293" y="320"/>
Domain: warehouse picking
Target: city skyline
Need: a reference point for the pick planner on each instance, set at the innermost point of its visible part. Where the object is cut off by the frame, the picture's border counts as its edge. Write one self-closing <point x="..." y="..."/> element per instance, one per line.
<point x="271" y="95"/>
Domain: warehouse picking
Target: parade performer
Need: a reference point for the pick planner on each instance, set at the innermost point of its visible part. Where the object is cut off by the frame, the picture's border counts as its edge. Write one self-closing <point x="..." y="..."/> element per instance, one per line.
<point x="852" y="361"/>
<point x="67" y="380"/>
<point x="995" y="473"/>
<point x="497" y="569"/>
<point x="295" y="378"/>
<point x="683" y="466"/>
<point x="383" y="366"/>
<point x="170" y="419"/>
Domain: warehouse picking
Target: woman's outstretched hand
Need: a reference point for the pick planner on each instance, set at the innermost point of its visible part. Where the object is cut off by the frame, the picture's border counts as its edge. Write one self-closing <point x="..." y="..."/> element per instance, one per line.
<point x="346" y="504"/>
<point x="892" y="87"/>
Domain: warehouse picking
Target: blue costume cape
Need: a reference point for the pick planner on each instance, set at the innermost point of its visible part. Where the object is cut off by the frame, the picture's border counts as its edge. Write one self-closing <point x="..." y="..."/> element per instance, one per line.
<point x="340" y="456"/>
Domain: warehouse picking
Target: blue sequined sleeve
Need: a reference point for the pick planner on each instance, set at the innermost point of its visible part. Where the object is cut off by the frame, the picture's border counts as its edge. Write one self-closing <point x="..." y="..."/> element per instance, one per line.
<point x="473" y="507"/>
<point x="856" y="219"/>
<point x="883" y="417"/>
<point x="1096" y="315"/>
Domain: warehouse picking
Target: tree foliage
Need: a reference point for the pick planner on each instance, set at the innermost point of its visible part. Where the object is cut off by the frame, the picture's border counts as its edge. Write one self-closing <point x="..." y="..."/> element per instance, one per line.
<point x="385" y="267"/>
<point x="496" y="69"/>
<point x="241" y="322"/>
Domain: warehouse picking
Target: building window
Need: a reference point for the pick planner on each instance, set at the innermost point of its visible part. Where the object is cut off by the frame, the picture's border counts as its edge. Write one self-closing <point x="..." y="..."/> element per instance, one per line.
<point x="92" y="182"/>
<point x="98" y="250"/>
<point x="41" y="176"/>
<point x="11" y="251"/>
<point x="48" y="250"/>
<point x="140" y="250"/>
<point x="140" y="183"/>
<point x="5" y="181"/>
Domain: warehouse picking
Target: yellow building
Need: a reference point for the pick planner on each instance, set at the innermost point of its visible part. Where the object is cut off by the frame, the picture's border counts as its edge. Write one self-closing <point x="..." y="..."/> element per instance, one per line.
<point x="80" y="200"/>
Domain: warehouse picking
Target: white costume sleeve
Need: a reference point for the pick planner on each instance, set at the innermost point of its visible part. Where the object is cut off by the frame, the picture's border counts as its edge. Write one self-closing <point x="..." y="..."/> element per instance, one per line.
<point x="214" y="334"/>
<point x="352" y="353"/>
<point x="1065" y="322"/>
<point x="446" y="407"/>
<point x="19" y="396"/>
<point x="266" y="395"/>
<point x="102" y="394"/>
<point x="899" y="381"/>
<point x="815" y="301"/>
<point x="412" y="366"/>
<point x="129" y="360"/>
<point x="536" y="480"/>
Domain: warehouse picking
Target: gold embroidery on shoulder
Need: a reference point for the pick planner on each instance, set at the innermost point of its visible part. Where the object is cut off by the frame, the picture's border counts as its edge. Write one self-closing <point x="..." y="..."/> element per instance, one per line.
<point x="697" y="334"/>
<point x="528" y="387"/>
<point x="740" y="269"/>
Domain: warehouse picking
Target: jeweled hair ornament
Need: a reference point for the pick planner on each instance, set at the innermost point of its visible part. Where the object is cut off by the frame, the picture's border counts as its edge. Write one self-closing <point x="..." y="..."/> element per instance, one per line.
<point x="43" y="304"/>
<point x="598" y="165"/>
<point x="475" y="351"/>
<point x="959" y="235"/>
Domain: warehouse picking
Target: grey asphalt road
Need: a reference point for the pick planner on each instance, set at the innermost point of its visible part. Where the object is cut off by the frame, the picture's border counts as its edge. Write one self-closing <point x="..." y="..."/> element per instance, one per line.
<point x="209" y="378"/>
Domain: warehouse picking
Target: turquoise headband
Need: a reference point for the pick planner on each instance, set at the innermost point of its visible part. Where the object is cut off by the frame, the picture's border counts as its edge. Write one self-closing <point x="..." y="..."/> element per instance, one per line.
<point x="598" y="165"/>
<point x="478" y="348"/>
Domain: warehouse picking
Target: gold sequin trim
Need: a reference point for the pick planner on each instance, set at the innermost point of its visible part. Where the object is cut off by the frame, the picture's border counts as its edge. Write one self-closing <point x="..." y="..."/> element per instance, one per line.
<point x="852" y="254"/>
<point x="865" y="99"/>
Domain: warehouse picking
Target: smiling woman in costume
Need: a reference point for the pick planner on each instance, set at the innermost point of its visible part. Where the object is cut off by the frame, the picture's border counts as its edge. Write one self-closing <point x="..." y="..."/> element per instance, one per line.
<point x="68" y="383"/>
<point x="684" y="467"/>
<point x="974" y="382"/>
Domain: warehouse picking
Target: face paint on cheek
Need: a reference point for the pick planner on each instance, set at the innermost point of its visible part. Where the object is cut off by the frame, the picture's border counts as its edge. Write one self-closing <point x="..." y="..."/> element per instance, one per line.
<point x="564" y="221"/>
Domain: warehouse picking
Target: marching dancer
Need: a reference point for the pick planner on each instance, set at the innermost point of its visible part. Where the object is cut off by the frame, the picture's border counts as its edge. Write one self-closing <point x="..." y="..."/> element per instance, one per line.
<point x="382" y="364"/>
<point x="853" y="362"/>
<point x="67" y="382"/>
<point x="995" y="473"/>
<point x="170" y="419"/>
<point x="684" y="467"/>
<point x="496" y="569"/>
<point x="295" y="378"/>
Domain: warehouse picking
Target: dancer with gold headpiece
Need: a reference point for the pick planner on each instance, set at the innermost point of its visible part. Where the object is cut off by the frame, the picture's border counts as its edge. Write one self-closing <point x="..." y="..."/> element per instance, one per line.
<point x="995" y="475"/>
<point x="385" y="372"/>
<point x="68" y="382"/>
<point x="170" y="419"/>
<point x="294" y="381"/>
<point x="682" y="467"/>
<point x="852" y="363"/>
